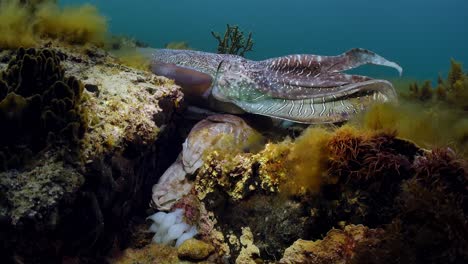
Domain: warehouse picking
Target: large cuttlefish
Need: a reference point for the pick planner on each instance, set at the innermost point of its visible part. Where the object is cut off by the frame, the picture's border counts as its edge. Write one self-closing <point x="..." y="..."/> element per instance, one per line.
<point x="299" y="88"/>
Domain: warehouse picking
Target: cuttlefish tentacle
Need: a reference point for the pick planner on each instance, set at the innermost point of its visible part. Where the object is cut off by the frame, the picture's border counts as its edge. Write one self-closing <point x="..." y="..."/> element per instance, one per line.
<point x="300" y="88"/>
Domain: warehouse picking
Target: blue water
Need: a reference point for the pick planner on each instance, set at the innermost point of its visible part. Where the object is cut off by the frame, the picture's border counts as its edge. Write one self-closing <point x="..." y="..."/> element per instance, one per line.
<point x="421" y="35"/>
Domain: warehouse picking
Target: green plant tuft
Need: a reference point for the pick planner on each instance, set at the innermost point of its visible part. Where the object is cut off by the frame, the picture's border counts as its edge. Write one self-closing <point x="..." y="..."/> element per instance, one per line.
<point x="233" y="41"/>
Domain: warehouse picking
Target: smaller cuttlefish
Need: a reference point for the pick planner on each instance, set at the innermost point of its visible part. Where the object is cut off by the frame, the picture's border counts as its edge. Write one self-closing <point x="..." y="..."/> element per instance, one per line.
<point x="300" y="88"/>
<point x="226" y="132"/>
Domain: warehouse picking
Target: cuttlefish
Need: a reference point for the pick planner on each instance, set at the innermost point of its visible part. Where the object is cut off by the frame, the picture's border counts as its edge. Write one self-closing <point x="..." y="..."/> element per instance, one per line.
<point x="228" y="132"/>
<point x="300" y="88"/>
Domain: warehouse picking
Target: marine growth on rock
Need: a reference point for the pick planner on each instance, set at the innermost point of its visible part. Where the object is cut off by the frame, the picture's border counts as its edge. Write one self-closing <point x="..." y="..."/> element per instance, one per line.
<point x="39" y="107"/>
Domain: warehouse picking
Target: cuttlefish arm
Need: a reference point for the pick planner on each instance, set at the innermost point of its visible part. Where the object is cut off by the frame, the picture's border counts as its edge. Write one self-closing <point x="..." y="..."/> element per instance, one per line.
<point x="196" y="85"/>
<point x="299" y="88"/>
<point x="306" y="76"/>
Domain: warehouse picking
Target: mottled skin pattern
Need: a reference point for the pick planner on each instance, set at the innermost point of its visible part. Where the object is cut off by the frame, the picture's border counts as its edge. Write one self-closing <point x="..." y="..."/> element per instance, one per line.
<point x="218" y="131"/>
<point x="299" y="88"/>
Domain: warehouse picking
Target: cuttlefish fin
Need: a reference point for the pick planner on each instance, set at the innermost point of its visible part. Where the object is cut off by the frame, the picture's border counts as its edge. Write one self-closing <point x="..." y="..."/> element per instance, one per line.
<point x="195" y="85"/>
<point x="292" y="76"/>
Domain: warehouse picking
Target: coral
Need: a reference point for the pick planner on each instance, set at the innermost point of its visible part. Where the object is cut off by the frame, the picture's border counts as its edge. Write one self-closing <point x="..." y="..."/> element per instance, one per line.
<point x="40" y="106"/>
<point x="233" y="41"/>
<point x="338" y="246"/>
<point x="26" y="24"/>
<point x="194" y="249"/>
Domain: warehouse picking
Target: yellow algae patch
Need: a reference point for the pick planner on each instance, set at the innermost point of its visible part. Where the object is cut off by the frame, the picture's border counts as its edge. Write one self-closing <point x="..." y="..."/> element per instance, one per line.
<point x="75" y="25"/>
<point x="15" y="26"/>
<point x="428" y="126"/>
<point x="27" y="24"/>
<point x="132" y="58"/>
<point x="308" y="161"/>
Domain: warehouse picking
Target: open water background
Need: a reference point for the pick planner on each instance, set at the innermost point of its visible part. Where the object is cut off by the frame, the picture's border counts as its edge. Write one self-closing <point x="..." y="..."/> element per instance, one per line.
<point x="421" y="35"/>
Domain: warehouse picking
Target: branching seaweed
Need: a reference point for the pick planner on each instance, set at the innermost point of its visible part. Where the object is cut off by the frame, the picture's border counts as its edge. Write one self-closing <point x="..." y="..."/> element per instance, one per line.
<point x="233" y="41"/>
<point x="453" y="91"/>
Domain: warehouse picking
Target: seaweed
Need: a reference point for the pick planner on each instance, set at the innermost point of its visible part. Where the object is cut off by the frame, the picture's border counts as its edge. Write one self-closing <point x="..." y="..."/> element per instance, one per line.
<point x="361" y="166"/>
<point x="432" y="225"/>
<point x="233" y="41"/>
<point x="307" y="162"/>
<point x="453" y="91"/>
<point x="39" y="107"/>
<point x="27" y="23"/>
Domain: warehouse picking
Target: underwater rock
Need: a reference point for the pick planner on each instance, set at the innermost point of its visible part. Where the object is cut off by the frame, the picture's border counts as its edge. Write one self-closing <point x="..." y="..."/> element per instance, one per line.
<point x="238" y="175"/>
<point x="275" y="221"/>
<point x="336" y="247"/>
<point x="194" y="249"/>
<point x="266" y="192"/>
<point x="39" y="106"/>
<point x="153" y="253"/>
<point x="249" y="253"/>
<point x="118" y="145"/>
<point x="34" y="195"/>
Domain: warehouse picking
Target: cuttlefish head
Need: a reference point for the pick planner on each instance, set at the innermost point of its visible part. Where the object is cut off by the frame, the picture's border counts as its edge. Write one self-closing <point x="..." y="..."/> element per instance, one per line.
<point x="304" y="88"/>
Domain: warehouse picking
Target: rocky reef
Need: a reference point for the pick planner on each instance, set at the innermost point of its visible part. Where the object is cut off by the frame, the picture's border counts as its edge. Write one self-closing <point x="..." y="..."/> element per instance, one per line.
<point x="81" y="138"/>
<point x="91" y="145"/>
<point x="332" y="195"/>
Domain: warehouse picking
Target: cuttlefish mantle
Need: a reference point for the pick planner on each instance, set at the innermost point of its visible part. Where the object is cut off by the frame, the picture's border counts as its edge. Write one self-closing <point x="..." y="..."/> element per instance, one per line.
<point x="300" y="88"/>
